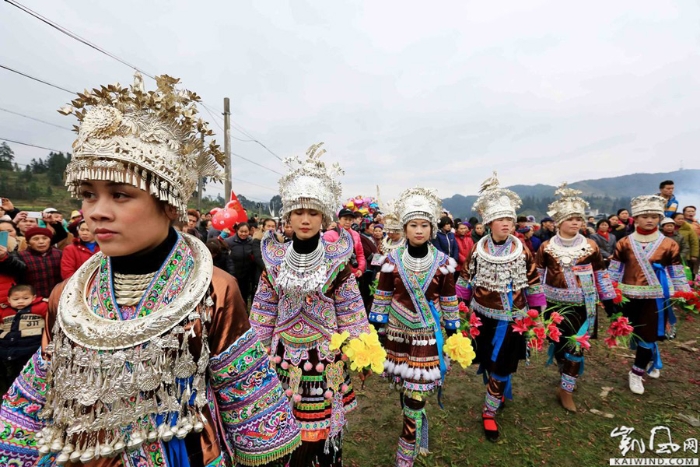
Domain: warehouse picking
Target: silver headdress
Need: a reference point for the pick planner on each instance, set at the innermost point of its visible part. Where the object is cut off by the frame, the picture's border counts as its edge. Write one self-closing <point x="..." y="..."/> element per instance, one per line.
<point x="391" y="219"/>
<point x="310" y="185"/>
<point x="419" y="203"/>
<point x="568" y="205"/>
<point x="648" y="204"/>
<point x="495" y="202"/>
<point x="151" y="140"/>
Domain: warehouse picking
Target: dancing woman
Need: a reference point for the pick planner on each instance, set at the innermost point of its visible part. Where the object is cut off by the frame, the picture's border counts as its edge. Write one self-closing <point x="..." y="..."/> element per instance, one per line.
<point x="306" y="295"/>
<point x="648" y="267"/>
<point x="148" y="357"/>
<point x="574" y="279"/>
<point x="500" y="280"/>
<point x="415" y="295"/>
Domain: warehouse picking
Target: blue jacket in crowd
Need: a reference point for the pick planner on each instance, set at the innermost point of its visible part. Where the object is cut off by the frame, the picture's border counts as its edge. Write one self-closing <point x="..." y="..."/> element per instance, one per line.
<point x="447" y="244"/>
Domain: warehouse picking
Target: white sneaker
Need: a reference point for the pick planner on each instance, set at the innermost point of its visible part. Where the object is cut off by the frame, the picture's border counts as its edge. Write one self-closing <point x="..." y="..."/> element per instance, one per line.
<point x="636" y="383"/>
<point x="655" y="373"/>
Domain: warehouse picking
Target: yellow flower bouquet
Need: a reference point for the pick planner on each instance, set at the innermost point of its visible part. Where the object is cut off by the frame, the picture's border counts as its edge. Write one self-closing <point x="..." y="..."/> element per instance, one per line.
<point x="363" y="352"/>
<point x="459" y="349"/>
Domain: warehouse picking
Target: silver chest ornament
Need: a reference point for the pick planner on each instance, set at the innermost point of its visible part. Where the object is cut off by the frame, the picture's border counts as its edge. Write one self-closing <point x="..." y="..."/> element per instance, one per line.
<point x="107" y="378"/>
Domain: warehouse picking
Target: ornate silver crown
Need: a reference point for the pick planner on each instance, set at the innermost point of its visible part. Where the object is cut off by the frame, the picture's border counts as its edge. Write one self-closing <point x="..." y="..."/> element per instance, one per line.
<point x="495" y="202"/>
<point x="151" y="140"/>
<point x="419" y="203"/>
<point x="648" y="204"/>
<point x="568" y="205"/>
<point x="310" y="184"/>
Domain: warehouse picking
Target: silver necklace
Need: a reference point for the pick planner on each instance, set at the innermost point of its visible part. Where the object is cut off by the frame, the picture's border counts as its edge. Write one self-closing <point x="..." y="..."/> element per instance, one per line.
<point x="303" y="272"/>
<point x="416" y="264"/>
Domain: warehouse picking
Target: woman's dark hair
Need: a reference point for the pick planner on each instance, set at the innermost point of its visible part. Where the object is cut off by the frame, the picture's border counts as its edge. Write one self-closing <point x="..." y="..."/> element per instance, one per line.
<point x="676" y="214"/>
<point x="445" y="221"/>
<point x="12" y="224"/>
<point x="241" y="225"/>
<point x="268" y="219"/>
<point x="473" y="221"/>
<point x="602" y="221"/>
<point x="619" y="211"/>
<point x="214" y="248"/>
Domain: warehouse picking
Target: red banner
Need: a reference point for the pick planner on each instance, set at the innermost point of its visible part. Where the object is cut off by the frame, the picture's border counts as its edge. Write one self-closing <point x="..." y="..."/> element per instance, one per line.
<point x="238" y="207"/>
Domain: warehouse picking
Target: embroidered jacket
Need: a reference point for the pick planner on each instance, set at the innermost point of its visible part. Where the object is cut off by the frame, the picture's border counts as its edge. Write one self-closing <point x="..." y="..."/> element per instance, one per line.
<point x="247" y="417"/>
<point x="566" y="278"/>
<point x="637" y="267"/>
<point x="404" y="305"/>
<point x="488" y="276"/>
<point x="302" y="324"/>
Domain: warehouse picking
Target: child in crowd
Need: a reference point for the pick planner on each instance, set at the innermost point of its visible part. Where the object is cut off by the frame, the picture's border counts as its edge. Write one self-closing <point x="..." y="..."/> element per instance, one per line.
<point x="21" y="328"/>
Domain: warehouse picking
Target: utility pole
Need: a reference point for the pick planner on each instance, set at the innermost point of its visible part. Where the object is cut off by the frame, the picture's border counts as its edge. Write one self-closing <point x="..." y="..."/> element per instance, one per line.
<point x="200" y="185"/>
<point x="227" y="149"/>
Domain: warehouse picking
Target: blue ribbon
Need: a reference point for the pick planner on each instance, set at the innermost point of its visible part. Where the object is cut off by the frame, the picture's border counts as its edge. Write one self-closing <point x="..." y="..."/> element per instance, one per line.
<point x="439" y="341"/>
<point x="550" y="353"/>
<point x="655" y="354"/>
<point x="500" y="334"/>
<point x="576" y="358"/>
<point x="663" y="304"/>
<point x="175" y="450"/>
<point x="508" y="391"/>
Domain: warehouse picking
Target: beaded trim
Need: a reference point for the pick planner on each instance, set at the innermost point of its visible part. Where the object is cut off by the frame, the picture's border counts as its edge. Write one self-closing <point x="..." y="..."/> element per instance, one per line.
<point x="568" y="382"/>
<point x="501" y="315"/>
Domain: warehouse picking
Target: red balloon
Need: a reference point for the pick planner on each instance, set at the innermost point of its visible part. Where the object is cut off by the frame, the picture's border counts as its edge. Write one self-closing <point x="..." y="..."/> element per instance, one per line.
<point x="214" y="211"/>
<point x="231" y="204"/>
<point x="224" y="219"/>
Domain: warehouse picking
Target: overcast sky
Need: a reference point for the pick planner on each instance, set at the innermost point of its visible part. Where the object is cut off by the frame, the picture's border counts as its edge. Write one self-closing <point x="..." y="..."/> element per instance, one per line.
<point x="403" y="93"/>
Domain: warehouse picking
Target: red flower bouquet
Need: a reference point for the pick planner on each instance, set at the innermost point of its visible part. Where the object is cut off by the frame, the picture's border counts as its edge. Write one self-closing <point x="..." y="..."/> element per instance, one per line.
<point x="620" y="332"/>
<point x="536" y="329"/>
<point x="470" y="322"/>
<point x="689" y="302"/>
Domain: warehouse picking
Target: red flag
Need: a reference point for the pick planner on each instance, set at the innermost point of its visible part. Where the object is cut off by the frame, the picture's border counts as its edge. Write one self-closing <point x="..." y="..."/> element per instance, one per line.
<point x="238" y="207"/>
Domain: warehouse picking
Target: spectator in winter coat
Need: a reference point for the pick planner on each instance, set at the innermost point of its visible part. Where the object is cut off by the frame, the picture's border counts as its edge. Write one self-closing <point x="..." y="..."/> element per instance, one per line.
<point x="192" y="223"/>
<point x="82" y="248"/>
<point x="617" y="228"/>
<point x="668" y="228"/>
<point x="22" y="318"/>
<point x="42" y="260"/>
<point x="687" y="232"/>
<point x="532" y="242"/>
<point x="346" y="219"/>
<point x="241" y="246"/>
<point x="20" y="243"/>
<point x="547" y="231"/>
<point x="689" y="214"/>
<point x="256" y="241"/>
<point x="478" y="232"/>
<point x="604" y="239"/>
<point x="445" y="239"/>
<point x="626" y="220"/>
<point x="12" y="268"/>
<point x="464" y="243"/>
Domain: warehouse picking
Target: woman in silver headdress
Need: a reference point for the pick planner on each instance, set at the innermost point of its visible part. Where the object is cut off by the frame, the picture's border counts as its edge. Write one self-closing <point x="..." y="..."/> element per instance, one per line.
<point x="500" y="281"/>
<point x="415" y="295"/>
<point x="306" y="294"/>
<point x="574" y="279"/>
<point x="148" y="358"/>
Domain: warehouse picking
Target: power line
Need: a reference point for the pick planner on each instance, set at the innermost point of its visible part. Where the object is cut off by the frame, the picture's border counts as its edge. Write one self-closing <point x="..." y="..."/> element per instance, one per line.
<point x="254" y="184"/>
<point x="36" y="79"/>
<point x="27" y="144"/>
<point x="35" y="119"/>
<point x="255" y="163"/>
<point x="73" y="35"/>
<point x="84" y="41"/>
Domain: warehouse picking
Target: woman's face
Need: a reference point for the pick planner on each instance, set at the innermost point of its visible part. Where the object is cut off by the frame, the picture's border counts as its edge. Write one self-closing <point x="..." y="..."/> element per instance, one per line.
<point x="305" y="223"/>
<point x="501" y="228"/>
<point x="418" y="231"/>
<point x="647" y="221"/>
<point x="479" y="229"/>
<point x="624" y="216"/>
<point x="270" y="225"/>
<point x="5" y="227"/>
<point x="378" y="233"/>
<point x="614" y="220"/>
<point x="332" y="226"/>
<point x="243" y="232"/>
<point x="447" y="228"/>
<point x="394" y="236"/>
<point x="124" y="219"/>
<point x="604" y="227"/>
<point x="84" y="233"/>
<point x="570" y="227"/>
<point x="462" y="230"/>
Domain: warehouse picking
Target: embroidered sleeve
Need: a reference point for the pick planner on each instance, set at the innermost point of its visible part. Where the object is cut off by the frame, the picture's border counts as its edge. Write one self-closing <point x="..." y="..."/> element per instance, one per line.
<point x="256" y="415"/>
<point x="19" y="415"/>
<point x="463" y="286"/>
<point x="677" y="274"/>
<point x="616" y="268"/>
<point x="263" y="312"/>
<point x="604" y="285"/>
<point x="349" y="308"/>
<point x="535" y="295"/>
<point x="383" y="295"/>
<point x="448" y="302"/>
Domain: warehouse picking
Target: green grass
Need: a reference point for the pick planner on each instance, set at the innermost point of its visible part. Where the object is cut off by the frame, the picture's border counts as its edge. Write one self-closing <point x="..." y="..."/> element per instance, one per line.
<point x="535" y="430"/>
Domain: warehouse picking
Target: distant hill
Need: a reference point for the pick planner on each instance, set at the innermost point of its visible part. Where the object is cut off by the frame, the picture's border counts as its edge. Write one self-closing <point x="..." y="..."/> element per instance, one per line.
<point x="606" y="194"/>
